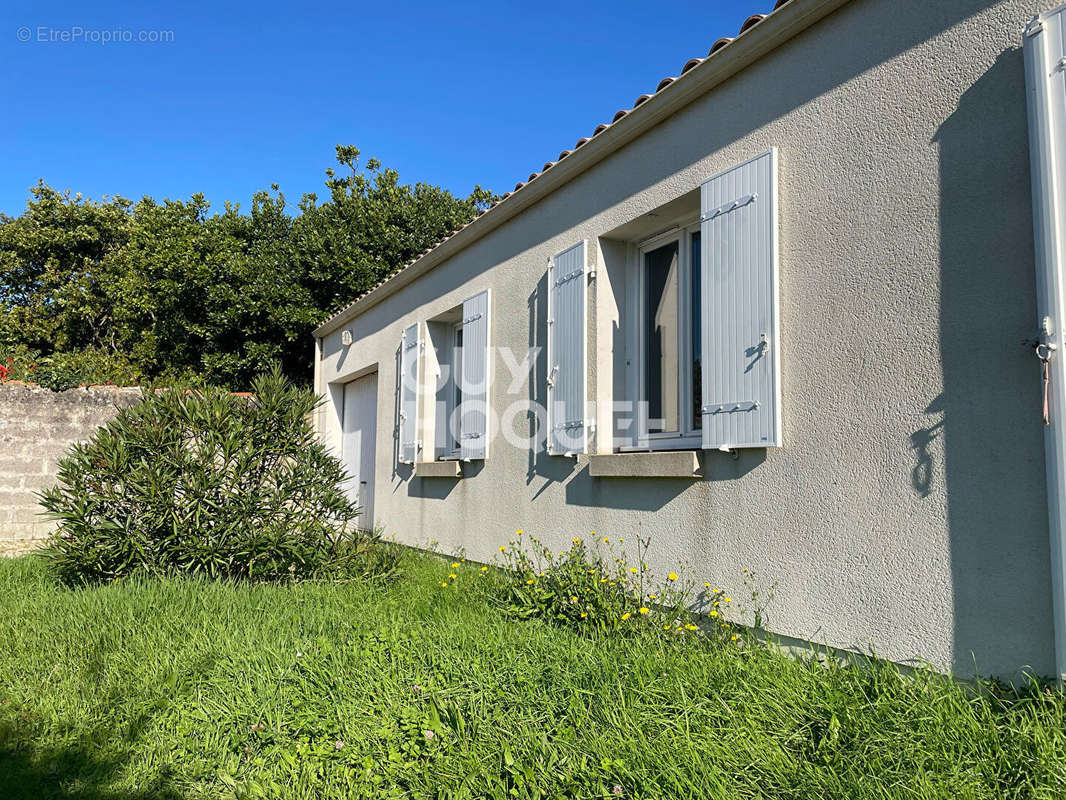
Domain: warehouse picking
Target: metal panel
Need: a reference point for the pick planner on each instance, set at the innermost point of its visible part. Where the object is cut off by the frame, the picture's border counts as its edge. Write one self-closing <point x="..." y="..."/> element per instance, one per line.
<point x="567" y="343"/>
<point x="1044" y="46"/>
<point x="741" y="369"/>
<point x="474" y="414"/>
<point x="408" y="378"/>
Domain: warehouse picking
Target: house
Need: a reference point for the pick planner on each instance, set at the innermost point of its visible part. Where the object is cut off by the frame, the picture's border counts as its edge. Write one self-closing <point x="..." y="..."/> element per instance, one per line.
<point x="771" y="316"/>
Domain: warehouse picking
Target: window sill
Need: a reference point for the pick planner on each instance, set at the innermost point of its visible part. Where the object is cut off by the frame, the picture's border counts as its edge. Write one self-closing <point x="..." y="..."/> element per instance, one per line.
<point x="660" y="464"/>
<point x="438" y="469"/>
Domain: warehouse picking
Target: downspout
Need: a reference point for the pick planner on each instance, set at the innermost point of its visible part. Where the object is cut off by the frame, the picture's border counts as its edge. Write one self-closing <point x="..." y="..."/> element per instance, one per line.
<point x="1046" y="91"/>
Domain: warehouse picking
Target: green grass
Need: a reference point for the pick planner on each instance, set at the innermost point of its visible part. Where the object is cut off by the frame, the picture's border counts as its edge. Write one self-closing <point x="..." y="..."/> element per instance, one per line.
<point x="191" y="689"/>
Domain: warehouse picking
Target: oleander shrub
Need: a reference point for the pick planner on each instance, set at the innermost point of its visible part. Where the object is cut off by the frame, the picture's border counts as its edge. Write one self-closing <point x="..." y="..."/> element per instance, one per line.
<point x="207" y="483"/>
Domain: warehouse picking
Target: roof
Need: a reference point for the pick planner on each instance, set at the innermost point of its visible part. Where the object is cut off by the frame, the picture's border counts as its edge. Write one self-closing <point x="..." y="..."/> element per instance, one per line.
<point x="793" y="16"/>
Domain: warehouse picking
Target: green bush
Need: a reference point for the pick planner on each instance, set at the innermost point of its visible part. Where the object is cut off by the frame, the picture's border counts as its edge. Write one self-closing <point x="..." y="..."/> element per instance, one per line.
<point x="207" y="483"/>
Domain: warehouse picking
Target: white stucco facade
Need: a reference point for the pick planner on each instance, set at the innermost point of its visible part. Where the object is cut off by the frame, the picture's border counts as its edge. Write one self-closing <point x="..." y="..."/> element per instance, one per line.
<point x="906" y="512"/>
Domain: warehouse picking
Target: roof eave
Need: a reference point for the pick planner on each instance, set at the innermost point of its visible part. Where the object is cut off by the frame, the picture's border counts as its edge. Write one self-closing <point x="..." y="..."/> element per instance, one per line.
<point x="780" y="26"/>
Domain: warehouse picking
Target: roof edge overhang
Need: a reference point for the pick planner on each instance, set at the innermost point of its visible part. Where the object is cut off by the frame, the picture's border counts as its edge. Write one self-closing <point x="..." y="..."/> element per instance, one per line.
<point x="783" y="24"/>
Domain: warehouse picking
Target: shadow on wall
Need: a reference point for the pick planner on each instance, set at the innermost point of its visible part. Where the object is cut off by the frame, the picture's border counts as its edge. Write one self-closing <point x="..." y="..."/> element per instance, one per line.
<point x="644" y="494"/>
<point x="991" y="423"/>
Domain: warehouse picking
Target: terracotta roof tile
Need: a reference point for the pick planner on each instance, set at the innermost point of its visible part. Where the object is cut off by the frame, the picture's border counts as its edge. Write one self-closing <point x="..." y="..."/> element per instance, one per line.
<point x="691" y="64"/>
<point x="719" y="45"/>
<point x="752" y="21"/>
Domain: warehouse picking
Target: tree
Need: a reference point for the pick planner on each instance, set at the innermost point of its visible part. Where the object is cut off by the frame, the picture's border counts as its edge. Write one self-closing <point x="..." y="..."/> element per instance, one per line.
<point x="180" y="294"/>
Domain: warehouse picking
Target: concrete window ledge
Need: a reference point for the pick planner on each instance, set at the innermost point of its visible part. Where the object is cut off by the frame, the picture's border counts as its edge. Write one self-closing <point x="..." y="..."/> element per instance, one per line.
<point x="438" y="469"/>
<point x="667" y="464"/>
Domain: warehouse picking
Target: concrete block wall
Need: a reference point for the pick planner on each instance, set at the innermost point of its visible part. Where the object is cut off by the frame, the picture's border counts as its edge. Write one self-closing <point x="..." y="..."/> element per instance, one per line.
<point x="37" y="426"/>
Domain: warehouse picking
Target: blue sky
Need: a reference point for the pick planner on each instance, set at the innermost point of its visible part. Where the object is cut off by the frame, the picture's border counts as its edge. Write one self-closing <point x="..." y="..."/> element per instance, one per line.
<point x="247" y="94"/>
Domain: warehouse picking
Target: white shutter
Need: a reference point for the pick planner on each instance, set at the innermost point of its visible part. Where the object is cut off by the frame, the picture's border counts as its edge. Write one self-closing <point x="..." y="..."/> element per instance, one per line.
<point x="740" y="362"/>
<point x="475" y="378"/>
<point x="567" y="343"/>
<point x="408" y="377"/>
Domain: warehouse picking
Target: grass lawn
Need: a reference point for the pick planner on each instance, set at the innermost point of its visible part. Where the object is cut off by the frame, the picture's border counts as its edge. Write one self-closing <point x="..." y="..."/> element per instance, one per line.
<point x="191" y="689"/>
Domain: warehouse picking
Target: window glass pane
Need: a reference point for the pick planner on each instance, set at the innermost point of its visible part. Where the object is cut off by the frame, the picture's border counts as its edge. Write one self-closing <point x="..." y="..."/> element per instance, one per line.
<point x="457" y="398"/>
<point x="662" y="337"/>
<point x="697" y="371"/>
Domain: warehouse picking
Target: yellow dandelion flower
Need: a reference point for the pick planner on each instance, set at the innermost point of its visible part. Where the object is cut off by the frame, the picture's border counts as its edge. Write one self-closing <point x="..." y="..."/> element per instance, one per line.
<point x="745" y="569"/>
<point x="605" y="540"/>
<point x="633" y="570"/>
<point x="584" y="614"/>
<point x="444" y="584"/>
<point x="484" y="569"/>
<point x="653" y="597"/>
<point x="573" y="598"/>
<point x="603" y="580"/>
<point x="706" y="585"/>
<point x="519" y="532"/>
<point x="728" y="599"/>
<point x="451" y="577"/>
<point x="734" y="638"/>
<point x="611" y="583"/>
<point x="626" y="615"/>
<point x="672" y="576"/>
<point x="592" y="572"/>
<point x="576" y="540"/>
<point x="714" y="613"/>
<point x="691" y="627"/>
<point x="643" y="609"/>
<point x="455" y="564"/>
<point x="529" y="582"/>
<point x="503" y="548"/>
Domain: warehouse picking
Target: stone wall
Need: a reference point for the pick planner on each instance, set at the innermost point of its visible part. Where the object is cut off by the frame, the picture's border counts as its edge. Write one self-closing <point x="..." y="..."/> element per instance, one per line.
<point x="36" y="428"/>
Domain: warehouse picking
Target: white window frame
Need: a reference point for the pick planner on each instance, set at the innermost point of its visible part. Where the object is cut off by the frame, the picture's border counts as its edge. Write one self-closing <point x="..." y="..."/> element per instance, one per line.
<point x="688" y="437"/>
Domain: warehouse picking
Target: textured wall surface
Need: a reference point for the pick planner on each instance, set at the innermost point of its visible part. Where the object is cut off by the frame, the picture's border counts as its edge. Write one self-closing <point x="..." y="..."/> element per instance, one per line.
<point x="36" y="428"/>
<point x="907" y="510"/>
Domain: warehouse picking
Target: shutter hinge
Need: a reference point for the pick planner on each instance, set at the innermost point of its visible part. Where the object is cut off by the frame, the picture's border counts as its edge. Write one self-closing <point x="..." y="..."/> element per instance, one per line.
<point x="725" y="208"/>
<point x="471" y="435"/>
<point x="728" y="408"/>
<point x="568" y="277"/>
<point x="471" y="318"/>
<point x="570" y="425"/>
<point x="1034" y="27"/>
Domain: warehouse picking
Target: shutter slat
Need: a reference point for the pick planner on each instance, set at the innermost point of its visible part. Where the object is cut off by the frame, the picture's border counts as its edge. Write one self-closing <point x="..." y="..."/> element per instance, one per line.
<point x="567" y="337"/>
<point x="741" y="368"/>
<point x="475" y="378"/>
<point x="409" y="385"/>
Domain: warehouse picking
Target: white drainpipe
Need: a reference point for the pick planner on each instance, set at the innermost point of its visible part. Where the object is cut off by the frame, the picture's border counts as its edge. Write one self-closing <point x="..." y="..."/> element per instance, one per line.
<point x="1045" y="80"/>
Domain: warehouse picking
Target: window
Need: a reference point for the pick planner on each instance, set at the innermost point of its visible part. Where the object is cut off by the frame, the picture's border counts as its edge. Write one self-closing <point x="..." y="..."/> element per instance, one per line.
<point x="698" y="317"/>
<point x="669" y="373"/>
<point x="458" y="358"/>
